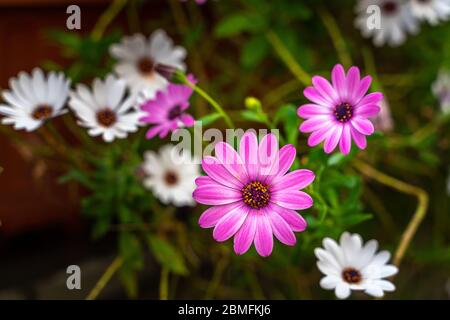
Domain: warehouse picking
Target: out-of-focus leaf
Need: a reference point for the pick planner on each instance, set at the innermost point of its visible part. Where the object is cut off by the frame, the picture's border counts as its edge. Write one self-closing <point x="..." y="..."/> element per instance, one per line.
<point x="254" y="116"/>
<point x="237" y="23"/>
<point x="167" y="255"/>
<point x="209" y="118"/>
<point x="254" y="51"/>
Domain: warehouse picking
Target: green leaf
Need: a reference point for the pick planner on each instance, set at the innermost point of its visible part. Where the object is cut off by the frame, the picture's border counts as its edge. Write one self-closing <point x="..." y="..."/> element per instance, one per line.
<point x="354" y="219"/>
<point x="254" y="51"/>
<point x="167" y="255"/>
<point x="336" y="159"/>
<point x="253" y="116"/>
<point x="237" y="23"/>
<point x="209" y="119"/>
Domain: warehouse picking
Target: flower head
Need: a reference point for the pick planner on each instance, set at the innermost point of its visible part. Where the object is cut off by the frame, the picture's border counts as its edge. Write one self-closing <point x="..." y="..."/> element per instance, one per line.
<point x="171" y="175"/>
<point x="138" y="57"/>
<point x="252" y="195"/>
<point x="166" y="111"/>
<point x="433" y="11"/>
<point x="34" y="98"/>
<point x="105" y="110"/>
<point x="441" y="90"/>
<point x="339" y="111"/>
<point x="396" y="21"/>
<point x="354" y="266"/>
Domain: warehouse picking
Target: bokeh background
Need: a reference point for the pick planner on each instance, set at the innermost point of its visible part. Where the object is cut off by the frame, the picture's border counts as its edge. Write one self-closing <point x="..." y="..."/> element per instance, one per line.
<point x="45" y="226"/>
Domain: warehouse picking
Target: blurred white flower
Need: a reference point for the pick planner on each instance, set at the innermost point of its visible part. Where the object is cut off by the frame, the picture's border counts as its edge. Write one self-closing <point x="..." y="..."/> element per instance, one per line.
<point x="354" y="266"/>
<point x="433" y="11"/>
<point x="105" y="110"/>
<point x="441" y="90"/>
<point x="396" y="21"/>
<point x="138" y="57"/>
<point x="33" y="99"/>
<point x="171" y="175"/>
<point x="383" y="120"/>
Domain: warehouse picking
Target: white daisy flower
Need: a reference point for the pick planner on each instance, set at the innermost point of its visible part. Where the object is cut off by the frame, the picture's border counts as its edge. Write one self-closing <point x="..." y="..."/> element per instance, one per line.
<point x="396" y="21"/>
<point x="105" y="110"/>
<point x="138" y="57"/>
<point x="171" y="175"/>
<point x="433" y="11"/>
<point x="352" y="266"/>
<point x="34" y="98"/>
<point x="441" y="90"/>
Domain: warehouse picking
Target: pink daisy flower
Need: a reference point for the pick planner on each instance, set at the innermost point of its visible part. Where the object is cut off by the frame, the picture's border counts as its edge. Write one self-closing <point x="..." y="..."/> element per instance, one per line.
<point x="339" y="111"/>
<point x="166" y="111"/>
<point x="252" y="195"/>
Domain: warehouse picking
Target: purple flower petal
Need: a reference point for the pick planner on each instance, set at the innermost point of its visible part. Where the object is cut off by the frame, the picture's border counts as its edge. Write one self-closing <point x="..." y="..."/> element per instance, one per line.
<point x="295" y="180"/>
<point x="364" y="126"/>
<point x="187" y="120"/>
<point x="315" y="123"/>
<point x="346" y="141"/>
<point x="281" y="228"/>
<point x="217" y="171"/>
<point x="360" y="139"/>
<point x="311" y="110"/>
<point x="371" y="98"/>
<point x="216" y="194"/>
<point x="203" y="180"/>
<point x="246" y="234"/>
<point x="368" y="110"/>
<point x="211" y="216"/>
<point x="318" y="136"/>
<point x="295" y="220"/>
<point x="248" y="149"/>
<point x="312" y="94"/>
<point x="352" y="83"/>
<point x="292" y="199"/>
<point x="268" y="156"/>
<point x="230" y="223"/>
<point x="333" y="138"/>
<point x="231" y="160"/>
<point x="339" y="81"/>
<point x="263" y="237"/>
<point x="364" y="85"/>
<point x="325" y="89"/>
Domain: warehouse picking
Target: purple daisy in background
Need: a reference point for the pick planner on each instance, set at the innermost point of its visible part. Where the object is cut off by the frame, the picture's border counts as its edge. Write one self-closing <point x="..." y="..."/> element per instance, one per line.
<point x="252" y="195"/>
<point x="339" y="111"/>
<point x="166" y="111"/>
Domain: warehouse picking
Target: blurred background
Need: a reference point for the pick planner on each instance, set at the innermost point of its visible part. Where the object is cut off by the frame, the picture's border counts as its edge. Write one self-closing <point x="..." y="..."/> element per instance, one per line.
<point x="47" y="224"/>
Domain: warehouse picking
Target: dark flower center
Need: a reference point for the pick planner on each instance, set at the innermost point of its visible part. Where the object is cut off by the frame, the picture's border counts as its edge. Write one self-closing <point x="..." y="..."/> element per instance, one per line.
<point x="343" y="112"/>
<point x="256" y="194"/>
<point x="174" y="113"/>
<point x="390" y="7"/>
<point x="42" y="112"/>
<point x="106" y="117"/>
<point x="351" y="275"/>
<point x="145" y="65"/>
<point x="171" y="178"/>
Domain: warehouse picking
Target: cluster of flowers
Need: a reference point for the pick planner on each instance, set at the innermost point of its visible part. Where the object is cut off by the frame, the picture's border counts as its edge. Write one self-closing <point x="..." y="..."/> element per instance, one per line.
<point x="398" y="18"/>
<point x="251" y="191"/>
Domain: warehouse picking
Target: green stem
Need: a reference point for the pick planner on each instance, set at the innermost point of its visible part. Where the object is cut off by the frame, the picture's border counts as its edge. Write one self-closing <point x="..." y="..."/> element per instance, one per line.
<point x="217" y="276"/>
<point x="419" y="214"/>
<point x="288" y="58"/>
<point x="211" y="101"/>
<point x="106" y="18"/>
<point x="104" y="279"/>
<point x="164" y="284"/>
<point x="336" y="36"/>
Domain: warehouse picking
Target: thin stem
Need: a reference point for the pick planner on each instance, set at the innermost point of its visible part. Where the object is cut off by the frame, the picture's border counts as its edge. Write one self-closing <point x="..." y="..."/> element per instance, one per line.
<point x="288" y="59"/>
<point x="217" y="277"/>
<point x="404" y="187"/>
<point x="336" y="36"/>
<point x="212" y="102"/>
<point x="104" y="279"/>
<point x="106" y="18"/>
<point x="164" y="284"/>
